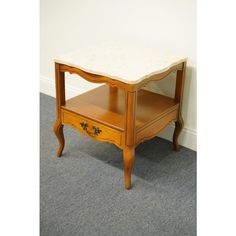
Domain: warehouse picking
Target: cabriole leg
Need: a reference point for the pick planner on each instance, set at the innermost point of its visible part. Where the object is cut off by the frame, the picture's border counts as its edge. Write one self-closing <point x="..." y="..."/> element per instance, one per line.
<point x="58" y="130"/>
<point x="179" y="89"/>
<point x="179" y="124"/>
<point x="60" y="100"/>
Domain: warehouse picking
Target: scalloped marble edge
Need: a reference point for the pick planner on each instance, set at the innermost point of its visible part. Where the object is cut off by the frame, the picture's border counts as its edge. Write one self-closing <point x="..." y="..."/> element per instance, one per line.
<point x="57" y="60"/>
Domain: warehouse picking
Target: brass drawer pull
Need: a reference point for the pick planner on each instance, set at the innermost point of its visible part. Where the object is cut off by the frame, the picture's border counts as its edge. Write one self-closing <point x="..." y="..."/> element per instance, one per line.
<point x="96" y="130"/>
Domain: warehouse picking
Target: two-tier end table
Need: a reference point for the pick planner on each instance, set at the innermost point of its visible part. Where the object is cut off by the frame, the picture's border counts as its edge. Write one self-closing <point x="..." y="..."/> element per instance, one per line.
<point x="120" y="111"/>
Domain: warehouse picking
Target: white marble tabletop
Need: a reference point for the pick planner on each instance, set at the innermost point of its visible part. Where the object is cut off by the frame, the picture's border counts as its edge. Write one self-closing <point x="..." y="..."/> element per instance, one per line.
<point x="127" y="62"/>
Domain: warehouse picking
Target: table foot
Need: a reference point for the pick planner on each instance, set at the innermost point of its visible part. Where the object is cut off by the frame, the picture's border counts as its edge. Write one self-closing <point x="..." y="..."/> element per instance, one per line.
<point x="128" y="157"/>
<point x="58" y="130"/>
<point x="178" y="128"/>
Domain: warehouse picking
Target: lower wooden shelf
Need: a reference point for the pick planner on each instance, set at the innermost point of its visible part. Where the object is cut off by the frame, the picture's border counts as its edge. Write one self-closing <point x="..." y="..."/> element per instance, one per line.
<point x="107" y="105"/>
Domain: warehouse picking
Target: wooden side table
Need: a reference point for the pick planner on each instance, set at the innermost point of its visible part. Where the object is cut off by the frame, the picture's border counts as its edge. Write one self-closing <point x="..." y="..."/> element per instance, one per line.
<point x="119" y="112"/>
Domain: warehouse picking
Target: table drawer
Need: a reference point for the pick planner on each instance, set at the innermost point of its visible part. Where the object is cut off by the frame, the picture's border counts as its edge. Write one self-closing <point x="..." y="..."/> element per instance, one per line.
<point x="92" y="128"/>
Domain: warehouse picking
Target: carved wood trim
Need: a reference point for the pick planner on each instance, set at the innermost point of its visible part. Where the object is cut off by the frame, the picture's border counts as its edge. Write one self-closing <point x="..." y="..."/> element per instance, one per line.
<point x="96" y="78"/>
<point x="157" y="77"/>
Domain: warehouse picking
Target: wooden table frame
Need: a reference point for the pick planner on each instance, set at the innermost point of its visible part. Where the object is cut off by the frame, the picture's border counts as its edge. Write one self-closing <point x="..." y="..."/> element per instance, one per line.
<point x="129" y="136"/>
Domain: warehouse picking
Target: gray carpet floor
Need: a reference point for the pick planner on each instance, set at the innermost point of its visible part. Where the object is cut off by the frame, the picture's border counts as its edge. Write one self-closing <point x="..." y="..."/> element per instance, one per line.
<point x="82" y="193"/>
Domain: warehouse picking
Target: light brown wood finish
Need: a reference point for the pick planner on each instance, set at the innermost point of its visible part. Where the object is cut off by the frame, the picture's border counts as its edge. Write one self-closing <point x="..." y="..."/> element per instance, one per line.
<point x="179" y="90"/>
<point x="58" y="130"/>
<point x="107" y="134"/>
<point x="116" y="83"/>
<point x="128" y="157"/>
<point x="119" y="113"/>
<point x="60" y="101"/>
<point x="130" y="131"/>
<point x="108" y="106"/>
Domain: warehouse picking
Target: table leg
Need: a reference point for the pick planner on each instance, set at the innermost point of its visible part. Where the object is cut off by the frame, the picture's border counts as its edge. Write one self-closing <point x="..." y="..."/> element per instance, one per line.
<point x="58" y="130"/>
<point x="179" y="88"/>
<point x="128" y="157"/>
<point x="129" y="149"/>
<point x="178" y="128"/>
<point x="60" y="100"/>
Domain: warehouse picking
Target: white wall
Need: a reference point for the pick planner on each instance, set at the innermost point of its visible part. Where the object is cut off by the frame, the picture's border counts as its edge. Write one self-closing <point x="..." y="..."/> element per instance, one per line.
<point x="172" y="23"/>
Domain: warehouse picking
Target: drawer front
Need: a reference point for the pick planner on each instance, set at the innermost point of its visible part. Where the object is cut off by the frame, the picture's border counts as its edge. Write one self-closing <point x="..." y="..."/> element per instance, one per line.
<point x="92" y="129"/>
